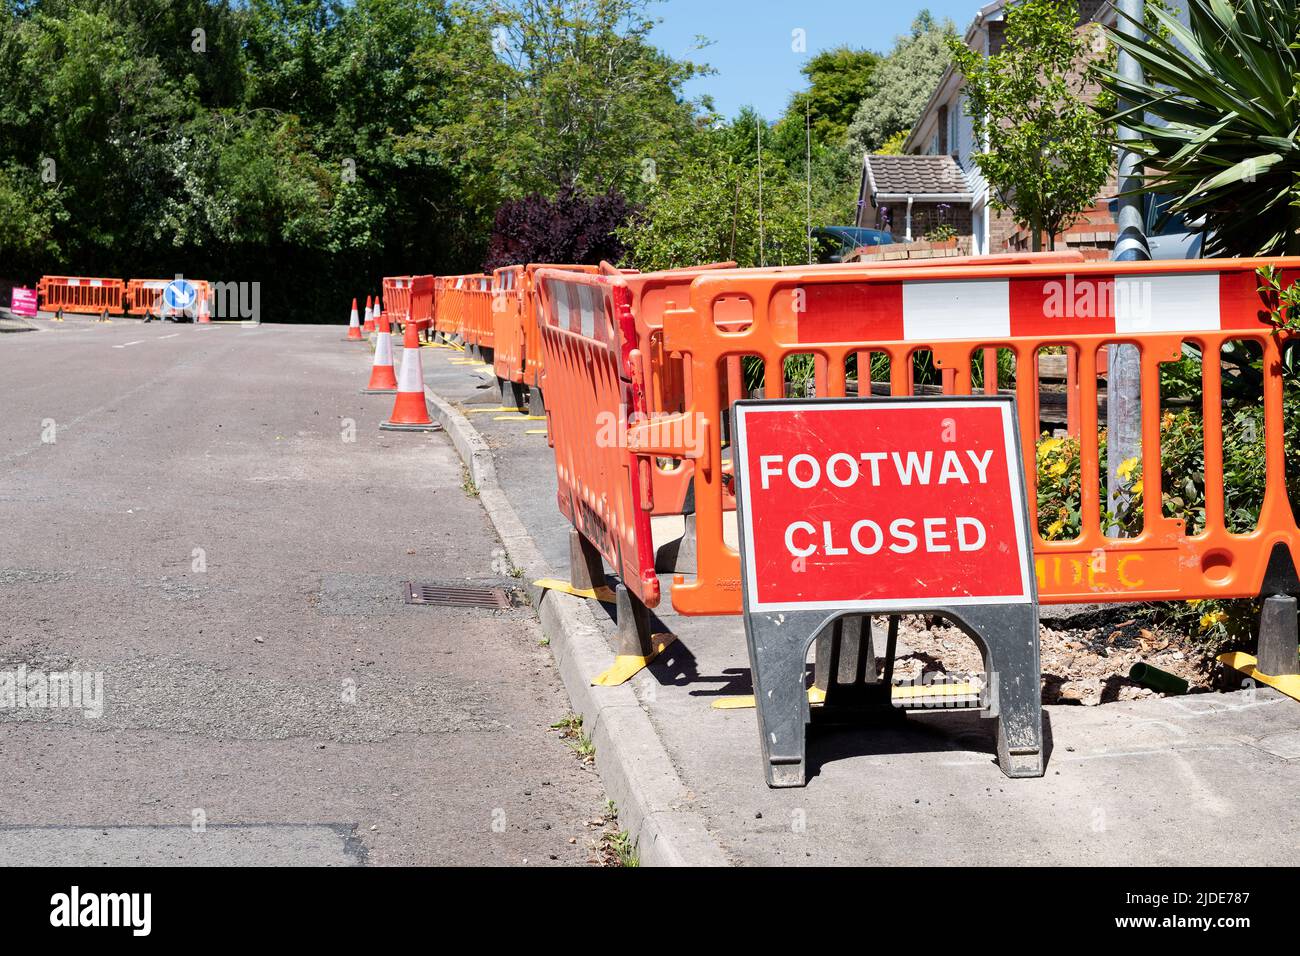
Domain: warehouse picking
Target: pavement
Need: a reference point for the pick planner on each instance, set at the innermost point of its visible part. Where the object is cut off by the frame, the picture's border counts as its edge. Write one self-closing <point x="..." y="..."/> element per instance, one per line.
<point x="1205" y="779"/>
<point x="206" y="521"/>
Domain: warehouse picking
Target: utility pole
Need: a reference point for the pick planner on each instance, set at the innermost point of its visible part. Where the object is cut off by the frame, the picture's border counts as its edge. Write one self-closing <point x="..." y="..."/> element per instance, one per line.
<point x="1124" y="374"/>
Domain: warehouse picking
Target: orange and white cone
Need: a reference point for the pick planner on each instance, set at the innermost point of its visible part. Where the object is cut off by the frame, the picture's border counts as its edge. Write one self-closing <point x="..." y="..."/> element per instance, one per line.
<point x="382" y="379"/>
<point x="354" y="325"/>
<point x="371" y="315"/>
<point x="203" y="311"/>
<point x="410" y="412"/>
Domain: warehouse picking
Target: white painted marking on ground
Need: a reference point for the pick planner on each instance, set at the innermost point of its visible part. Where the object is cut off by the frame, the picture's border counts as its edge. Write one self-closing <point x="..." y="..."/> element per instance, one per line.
<point x="125" y="344"/>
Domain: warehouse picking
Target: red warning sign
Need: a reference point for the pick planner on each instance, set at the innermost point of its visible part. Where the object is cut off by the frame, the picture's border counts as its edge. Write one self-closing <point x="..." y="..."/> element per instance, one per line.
<point x="881" y="503"/>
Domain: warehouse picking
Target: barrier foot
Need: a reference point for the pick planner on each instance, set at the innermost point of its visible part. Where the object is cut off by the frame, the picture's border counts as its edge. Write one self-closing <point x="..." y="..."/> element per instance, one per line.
<point x="604" y="593"/>
<point x="1278" y="647"/>
<point x="746" y="701"/>
<point x="1288" y="684"/>
<point x="586" y="569"/>
<point x="679" y="557"/>
<point x="627" y="666"/>
<point x="535" y="404"/>
<point x="637" y="647"/>
<point x="846" y="657"/>
<point x="512" y="393"/>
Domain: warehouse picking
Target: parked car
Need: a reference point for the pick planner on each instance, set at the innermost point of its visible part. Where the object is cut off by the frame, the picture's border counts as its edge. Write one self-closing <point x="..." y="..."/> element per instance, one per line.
<point x="1170" y="235"/>
<point x="836" y="243"/>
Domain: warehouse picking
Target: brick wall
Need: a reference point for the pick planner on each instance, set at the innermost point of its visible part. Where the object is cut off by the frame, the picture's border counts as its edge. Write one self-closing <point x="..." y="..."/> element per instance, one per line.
<point x="961" y="246"/>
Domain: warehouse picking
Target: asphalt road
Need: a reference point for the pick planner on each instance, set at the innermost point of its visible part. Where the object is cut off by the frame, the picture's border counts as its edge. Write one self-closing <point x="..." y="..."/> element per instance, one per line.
<point x="207" y="520"/>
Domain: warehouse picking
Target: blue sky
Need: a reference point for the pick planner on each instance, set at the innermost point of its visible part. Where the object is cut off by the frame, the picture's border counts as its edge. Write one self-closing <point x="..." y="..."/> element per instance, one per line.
<point x="752" y="40"/>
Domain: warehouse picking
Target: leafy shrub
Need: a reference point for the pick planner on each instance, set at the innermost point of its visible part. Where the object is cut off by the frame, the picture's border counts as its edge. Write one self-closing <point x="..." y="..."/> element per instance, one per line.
<point x="573" y="228"/>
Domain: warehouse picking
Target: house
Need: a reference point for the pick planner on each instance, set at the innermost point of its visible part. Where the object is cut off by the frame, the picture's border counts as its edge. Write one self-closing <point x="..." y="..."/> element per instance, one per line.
<point x="939" y="155"/>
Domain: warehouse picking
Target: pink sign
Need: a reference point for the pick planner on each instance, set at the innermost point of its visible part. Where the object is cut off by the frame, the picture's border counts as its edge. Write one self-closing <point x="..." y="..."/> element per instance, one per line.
<point x="23" y="302"/>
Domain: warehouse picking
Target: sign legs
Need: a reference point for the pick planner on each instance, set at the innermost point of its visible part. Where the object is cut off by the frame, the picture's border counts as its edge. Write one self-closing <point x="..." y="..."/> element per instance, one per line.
<point x="778" y="648"/>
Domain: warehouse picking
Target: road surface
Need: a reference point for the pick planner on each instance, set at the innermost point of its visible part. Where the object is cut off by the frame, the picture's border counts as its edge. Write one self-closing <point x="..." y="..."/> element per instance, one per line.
<point x="208" y="521"/>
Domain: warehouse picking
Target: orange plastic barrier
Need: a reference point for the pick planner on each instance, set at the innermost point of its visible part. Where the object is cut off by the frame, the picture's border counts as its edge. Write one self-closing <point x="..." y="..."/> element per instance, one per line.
<point x="955" y="312"/>
<point x="421" y="294"/>
<point x="81" y="295"/>
<point x="143" y="296"/>
<point x="534" y="362"/>
<point x="464" y="308"/>
<point x="508" y="328"/>
<point x="397" y="298"/>
<point x="588" y="339"/>
<point x="476" y="312"/>
<point x="667" y="381"/>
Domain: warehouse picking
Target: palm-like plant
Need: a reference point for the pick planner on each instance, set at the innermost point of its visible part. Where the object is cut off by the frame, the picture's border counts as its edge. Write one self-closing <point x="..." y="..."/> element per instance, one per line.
<point x="1218" y="115"/>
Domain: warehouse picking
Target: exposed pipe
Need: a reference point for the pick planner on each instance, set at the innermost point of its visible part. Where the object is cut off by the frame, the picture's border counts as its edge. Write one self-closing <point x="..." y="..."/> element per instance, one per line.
<point x="1123" y="383"/>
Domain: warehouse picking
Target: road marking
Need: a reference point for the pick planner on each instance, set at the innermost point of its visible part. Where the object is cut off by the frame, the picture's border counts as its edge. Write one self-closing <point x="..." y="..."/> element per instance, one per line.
<point x="172" y="336"/>
<point x="124" y="345"/>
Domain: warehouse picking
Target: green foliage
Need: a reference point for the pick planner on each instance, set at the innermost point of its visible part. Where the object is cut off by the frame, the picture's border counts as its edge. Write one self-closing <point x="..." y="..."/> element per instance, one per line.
<point x="539" y="95"/>
<point x="894" y="145"/>
<point x="1217" y="115"/>
<point x="838" y="80"/>
<point x="1047" y="156"/>
<point x="313" y="145"/>
<point x="902" y="84"/>
<point x="709" y="212"/>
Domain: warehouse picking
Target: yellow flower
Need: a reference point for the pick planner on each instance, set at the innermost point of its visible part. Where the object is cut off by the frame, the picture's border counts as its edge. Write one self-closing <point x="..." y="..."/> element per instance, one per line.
<point x="1058" y="468"/>
<point x="1050" y="445"/>
<point x="1125" y="468"/>
<point x="1137" y="487"/>
<point x="1055" y="528"/>
<point x="1214" y="617"/>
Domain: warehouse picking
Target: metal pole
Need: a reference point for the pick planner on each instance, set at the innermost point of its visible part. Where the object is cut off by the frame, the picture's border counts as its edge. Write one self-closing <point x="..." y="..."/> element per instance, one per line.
<point x="1123" y="383"/>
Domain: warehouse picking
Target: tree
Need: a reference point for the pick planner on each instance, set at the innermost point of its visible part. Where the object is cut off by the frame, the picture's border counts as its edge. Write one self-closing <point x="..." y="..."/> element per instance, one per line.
<point x="838" y="80"/>
<point x="1217" y="115"/>
<point x="545" y="94"/>
<point x="710" y="211"/>
<point x="902" y="83"/>
<point x="1048" y="152"/>
<point x="572" y="227"/>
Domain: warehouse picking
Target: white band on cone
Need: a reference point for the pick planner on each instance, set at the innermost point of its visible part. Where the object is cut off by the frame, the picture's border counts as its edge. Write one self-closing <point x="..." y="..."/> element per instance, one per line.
<point x="411" y="377"/>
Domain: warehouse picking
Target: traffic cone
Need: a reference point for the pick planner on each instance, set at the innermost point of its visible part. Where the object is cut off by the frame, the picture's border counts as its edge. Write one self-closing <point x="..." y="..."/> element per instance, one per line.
<point x="371" y="315"/>
<point x="203" y="311"/>
<point x="382" y="379"/>
<point x="410" y="413"/>
<point x="354" y="326"/>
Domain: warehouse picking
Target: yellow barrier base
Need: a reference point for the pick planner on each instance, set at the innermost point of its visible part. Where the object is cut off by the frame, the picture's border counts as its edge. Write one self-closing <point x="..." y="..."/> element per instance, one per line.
<point x="520" y="418"/>
<point x="904" y="693"/>
<point x="594" y="594"/>
<point x="1288" y="684"/>
<point x="627" y="666"/>
<point x="481" y="411"/>
<point x="535" y="431"/>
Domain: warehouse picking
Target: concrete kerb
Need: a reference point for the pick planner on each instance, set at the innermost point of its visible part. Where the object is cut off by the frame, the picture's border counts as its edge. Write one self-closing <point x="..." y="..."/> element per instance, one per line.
<point x="633" y="763"/>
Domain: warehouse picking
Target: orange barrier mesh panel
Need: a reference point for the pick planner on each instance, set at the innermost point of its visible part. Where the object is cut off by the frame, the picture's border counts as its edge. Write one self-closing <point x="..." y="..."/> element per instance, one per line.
<point x="588" y="337"/>
<point x="476" y="313"/>
<point x="533" y="361"/>
<point x="442" y="305"/>
<point x="143" y="296"/>
<point x="81" y="295"/>
<point x="667" y="381"/>
<point x="421" y="301"/>
<point x="397" y="298"/>
<point x="953" y="314"/>
<point x="508" y="323"/>
<point x="450" y="303"/>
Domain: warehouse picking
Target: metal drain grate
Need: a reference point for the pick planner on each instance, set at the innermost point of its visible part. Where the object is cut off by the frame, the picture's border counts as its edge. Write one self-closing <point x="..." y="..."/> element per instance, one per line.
<point x="457" y="595"/>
